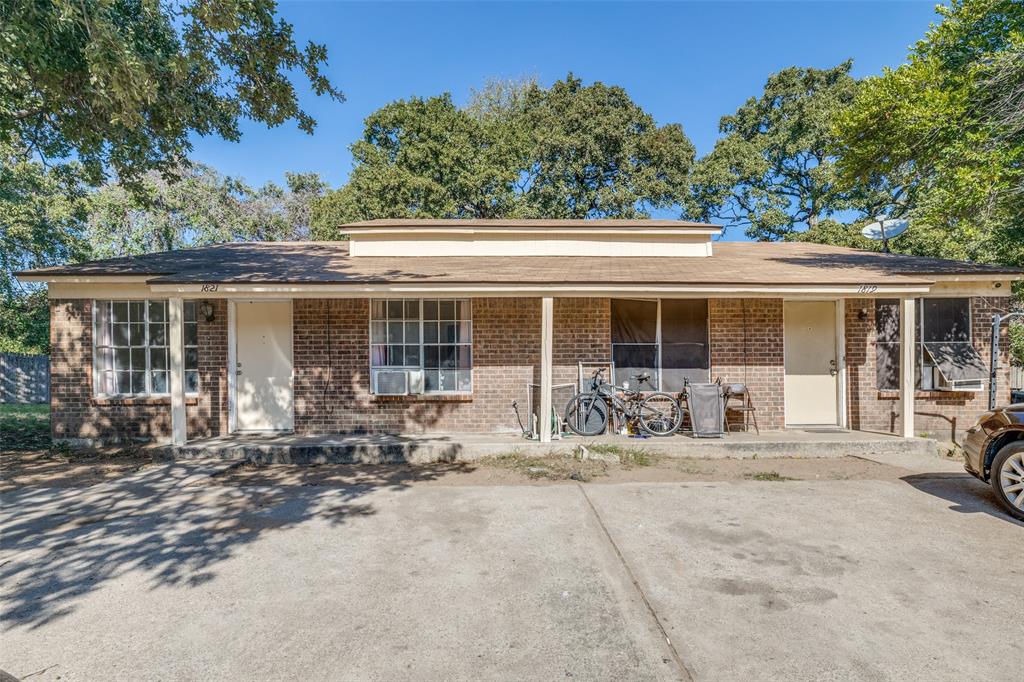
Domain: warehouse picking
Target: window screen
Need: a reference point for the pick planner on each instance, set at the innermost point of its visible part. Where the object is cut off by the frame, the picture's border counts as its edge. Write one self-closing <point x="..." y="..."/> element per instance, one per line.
<point x="132" y="348"/>
<point x="395" y="333"/>
<point x="635" y="340"/>
<point x="887" y="343"/>
<point x="944" y="319"/>
<point x="671" y="352"/>
<point x="447" y="345"/>
<point x="944" y="342"/>
<point x="943" y="326"/>
<point x="190" y="328"/>
<point x="684" y="342"/>
<point x="432" y="334"/>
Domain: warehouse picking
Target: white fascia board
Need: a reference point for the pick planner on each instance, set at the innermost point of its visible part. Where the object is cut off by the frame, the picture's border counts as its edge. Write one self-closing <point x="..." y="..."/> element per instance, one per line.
<point x="998" y="277"/>
<point x="223" y="290"/>
<point x="71" y="279"/>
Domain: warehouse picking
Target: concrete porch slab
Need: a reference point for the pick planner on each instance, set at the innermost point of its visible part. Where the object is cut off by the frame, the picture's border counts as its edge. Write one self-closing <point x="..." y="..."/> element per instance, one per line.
<point x="381" y="449"/>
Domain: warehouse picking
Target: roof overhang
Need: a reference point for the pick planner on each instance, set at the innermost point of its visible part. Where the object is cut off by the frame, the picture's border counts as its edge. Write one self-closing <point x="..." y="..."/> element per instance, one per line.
<point x="229" y="289"/>
<point x="77" y="279"/>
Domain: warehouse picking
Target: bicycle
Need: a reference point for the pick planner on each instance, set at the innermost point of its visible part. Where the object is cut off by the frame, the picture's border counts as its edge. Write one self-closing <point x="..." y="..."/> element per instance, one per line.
<point x="657" y="414"/>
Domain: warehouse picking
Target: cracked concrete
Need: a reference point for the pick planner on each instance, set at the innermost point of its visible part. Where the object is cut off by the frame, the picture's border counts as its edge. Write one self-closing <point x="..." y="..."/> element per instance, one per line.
<point x="151" y="577"/>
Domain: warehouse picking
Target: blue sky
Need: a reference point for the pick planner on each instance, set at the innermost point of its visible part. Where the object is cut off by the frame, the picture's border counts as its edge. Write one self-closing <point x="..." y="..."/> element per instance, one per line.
<point x="684" y="62"/>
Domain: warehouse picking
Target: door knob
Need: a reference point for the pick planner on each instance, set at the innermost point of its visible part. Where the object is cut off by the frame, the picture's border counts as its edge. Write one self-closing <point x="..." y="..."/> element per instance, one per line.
<point x="832" y="369"/>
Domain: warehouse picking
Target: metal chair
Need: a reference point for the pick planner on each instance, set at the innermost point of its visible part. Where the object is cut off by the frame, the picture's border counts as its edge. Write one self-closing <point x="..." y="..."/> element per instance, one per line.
<point x="745" y="408"/>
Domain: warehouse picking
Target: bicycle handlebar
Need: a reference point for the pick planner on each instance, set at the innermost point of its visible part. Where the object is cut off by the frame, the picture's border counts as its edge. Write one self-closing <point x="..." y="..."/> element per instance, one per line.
<point x="597" y="377"/>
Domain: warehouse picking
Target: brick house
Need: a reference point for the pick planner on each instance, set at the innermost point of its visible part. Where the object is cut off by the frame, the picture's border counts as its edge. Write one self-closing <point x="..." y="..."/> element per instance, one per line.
<point x="418" y="326"/>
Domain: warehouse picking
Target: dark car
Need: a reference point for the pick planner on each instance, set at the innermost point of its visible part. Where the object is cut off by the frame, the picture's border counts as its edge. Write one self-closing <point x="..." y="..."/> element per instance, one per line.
<point x="994" y="452"/>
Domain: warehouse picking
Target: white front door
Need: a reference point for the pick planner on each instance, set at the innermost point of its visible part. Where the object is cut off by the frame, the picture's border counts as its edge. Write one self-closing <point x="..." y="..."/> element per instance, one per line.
<point x="812" y="368"/>
<point x="263" y="384"/>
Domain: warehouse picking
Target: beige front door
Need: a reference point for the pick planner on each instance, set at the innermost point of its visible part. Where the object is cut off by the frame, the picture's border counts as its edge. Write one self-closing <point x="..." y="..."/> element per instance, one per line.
<point x="263" y="384"/>
<point x="812" y="368"/>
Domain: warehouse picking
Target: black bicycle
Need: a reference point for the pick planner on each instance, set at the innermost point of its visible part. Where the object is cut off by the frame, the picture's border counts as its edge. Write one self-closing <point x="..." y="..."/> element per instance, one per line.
<point x="657" y="414"/>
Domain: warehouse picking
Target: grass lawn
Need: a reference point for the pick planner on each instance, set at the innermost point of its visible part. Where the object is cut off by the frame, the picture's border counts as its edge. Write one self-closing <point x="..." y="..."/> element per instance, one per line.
<point x="24" y="427"/>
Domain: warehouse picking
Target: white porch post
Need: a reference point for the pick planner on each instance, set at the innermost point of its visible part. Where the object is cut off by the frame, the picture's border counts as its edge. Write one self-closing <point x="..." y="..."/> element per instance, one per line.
<point x="908" y="347"/>
<point x="176" y="314"/>
<point x="547" y="316"/>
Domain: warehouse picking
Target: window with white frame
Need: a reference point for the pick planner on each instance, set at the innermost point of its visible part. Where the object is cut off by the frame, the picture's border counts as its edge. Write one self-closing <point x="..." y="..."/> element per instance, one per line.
<point x="666" y="338"/>
<point x="131" y="348"/>
<point x="432" y="335"/>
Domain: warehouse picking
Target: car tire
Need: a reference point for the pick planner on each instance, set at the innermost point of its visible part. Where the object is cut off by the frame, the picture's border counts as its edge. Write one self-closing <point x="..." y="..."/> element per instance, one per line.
<point x="1006" y="473"/>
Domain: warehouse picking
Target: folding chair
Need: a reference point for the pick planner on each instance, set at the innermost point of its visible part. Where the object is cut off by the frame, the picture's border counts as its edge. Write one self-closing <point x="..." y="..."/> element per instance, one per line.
<point x="738" y="401"/>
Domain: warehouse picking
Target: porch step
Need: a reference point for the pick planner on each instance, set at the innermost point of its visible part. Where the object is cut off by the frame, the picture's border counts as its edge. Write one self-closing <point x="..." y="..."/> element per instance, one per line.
<point x="450" y="448"/>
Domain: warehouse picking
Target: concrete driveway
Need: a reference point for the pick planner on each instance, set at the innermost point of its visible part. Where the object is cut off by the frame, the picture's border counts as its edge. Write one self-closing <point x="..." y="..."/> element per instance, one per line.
<point x="162" y="576"/>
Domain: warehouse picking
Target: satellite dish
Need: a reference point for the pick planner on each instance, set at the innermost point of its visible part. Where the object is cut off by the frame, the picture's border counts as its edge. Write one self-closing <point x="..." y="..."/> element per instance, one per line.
<point x="884" y="229"/>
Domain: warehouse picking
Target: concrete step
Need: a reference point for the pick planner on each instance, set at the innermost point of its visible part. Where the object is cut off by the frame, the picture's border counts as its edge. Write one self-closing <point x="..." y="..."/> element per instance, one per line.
<point x="397" y="449"/>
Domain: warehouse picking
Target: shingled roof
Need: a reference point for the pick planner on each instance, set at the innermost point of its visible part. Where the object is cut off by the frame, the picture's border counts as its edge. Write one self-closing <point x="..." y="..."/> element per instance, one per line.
<point x="741" y="263"/>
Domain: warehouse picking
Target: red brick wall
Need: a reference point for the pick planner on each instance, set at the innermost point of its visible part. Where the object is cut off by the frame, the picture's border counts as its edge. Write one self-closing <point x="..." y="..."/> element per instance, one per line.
<point x="938" y="414"/>
<point x="331" y="359"/>
<point x="76" y="414"/>
<point x="208" y="416"/>
<point x="332" y="378"/>
<point x="582" y="333"/>
<point x="747" y="348"/>
<point x="332" y="391"/>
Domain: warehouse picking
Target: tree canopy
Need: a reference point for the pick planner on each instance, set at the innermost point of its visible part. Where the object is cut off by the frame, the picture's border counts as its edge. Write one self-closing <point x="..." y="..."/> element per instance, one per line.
<point x="516" y="150"/>
<point x="773" y="170"/>
<point x="41" y="223"/>
<point x="945" y="128"/>
<point x="49" y="216"/>
<point x="41" y="214"/>
<point x="121" y="84"/>
<point x="201" y="206"/>
<point x="98" y="89"/>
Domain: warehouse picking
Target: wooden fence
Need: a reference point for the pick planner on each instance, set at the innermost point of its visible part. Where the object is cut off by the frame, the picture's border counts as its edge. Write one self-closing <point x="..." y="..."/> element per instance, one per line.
<point x="24" y="378"/>
<point x="1017" y="377"/>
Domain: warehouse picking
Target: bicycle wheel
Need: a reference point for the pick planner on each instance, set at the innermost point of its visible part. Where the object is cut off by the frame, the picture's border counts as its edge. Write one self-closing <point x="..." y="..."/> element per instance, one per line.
<point x="587" y="414"/>
<point x="660" y="414"/>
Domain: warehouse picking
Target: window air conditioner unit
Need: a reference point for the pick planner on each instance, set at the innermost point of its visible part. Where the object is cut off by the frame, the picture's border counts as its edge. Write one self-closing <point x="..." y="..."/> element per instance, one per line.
<point x="391" y="382"/>
<point x="941" y="383"/>
<point x="397" y="381"/>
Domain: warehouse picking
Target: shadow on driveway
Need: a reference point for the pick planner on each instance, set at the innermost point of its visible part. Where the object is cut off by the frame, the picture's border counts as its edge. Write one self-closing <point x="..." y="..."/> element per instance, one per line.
<point x="60" y="544"/>
<point x="967" y="494"/>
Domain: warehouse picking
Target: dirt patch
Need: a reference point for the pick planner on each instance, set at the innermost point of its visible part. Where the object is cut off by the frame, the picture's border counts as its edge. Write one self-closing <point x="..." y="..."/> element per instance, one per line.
<point x="56" y="468"/>
<point x="516" y="469"/>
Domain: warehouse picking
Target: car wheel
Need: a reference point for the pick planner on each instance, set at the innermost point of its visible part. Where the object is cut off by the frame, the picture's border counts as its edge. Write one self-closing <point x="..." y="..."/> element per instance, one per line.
<point x="1007" y="478"/>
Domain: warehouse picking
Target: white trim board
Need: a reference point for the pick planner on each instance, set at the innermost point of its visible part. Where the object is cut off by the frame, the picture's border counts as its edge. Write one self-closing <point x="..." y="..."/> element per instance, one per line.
<point x="519" y="290"/>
